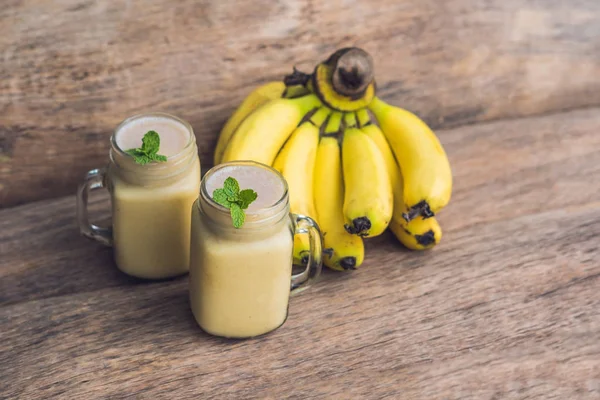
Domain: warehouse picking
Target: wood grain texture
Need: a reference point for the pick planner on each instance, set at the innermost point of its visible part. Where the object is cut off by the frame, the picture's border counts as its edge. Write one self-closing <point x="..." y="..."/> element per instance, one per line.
<point x="73" y="69"/>
<point x="502" y="170"/>
<point x="505" y="310"/>
<point x="506" y="307"/>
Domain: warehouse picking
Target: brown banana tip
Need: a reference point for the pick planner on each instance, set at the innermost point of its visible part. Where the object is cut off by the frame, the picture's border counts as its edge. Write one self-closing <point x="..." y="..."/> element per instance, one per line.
<point x="421" y="208"/>
<point x="305" y="255"/>
<point x="360" y="226"/>
<point x="348" y="263"/>
<point x="426" y="239"/>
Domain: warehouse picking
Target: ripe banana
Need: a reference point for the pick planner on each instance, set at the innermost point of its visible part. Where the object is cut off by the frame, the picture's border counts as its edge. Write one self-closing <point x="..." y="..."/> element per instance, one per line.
<point x="255" y="99"/>
<point x="425" y="167"/>
<point x="347" y="250"/>
<point x="419" y="233"/>
<point x="296" y="162"/>
<point x="262" y="134"/>
<point x="368" y="198"/>
<point x="374" y="132"/>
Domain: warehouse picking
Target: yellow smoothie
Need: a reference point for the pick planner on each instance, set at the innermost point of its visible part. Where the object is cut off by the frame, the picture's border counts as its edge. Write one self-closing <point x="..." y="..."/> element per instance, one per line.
<point x="240" y="278"/>
<point x="151" y="203"/>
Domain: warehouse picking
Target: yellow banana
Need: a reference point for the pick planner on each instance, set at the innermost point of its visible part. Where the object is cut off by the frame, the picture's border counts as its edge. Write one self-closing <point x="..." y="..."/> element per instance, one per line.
<point x="262" y="134"/>
<point x="368" y="198"/>
<point x="255" y="99"/>
<point x="425" y="167"/>
<point x="279" y="161"/>
<point x="296" y="162"/>
<point x="374" y="132"/>
<point x="419" y="233"/>
<point x="346" y="250"/>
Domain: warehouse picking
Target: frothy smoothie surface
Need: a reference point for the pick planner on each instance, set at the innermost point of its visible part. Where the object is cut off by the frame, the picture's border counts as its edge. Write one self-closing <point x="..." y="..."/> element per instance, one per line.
<point x="174" y="135"/>
<point x="264" y="182"/>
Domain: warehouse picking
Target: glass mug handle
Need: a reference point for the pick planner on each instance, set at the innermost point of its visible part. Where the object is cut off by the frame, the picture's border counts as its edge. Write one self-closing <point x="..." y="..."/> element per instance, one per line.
<point x="93" y="180"/>
<point x="306" y="225"/>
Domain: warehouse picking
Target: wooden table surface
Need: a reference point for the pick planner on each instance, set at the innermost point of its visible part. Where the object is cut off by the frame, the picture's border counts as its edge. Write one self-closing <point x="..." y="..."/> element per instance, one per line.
<point x="506" y="307"/>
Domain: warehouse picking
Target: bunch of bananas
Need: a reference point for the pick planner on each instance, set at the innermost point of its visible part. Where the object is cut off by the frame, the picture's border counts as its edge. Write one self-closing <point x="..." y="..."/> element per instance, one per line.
<point x="354" y="163"/>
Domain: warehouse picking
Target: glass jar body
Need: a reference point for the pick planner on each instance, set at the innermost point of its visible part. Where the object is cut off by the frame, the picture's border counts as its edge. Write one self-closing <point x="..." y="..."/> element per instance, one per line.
<point x="151" y="202"/>
<point x="151" y="220"/>
<point x="240" y="278"/>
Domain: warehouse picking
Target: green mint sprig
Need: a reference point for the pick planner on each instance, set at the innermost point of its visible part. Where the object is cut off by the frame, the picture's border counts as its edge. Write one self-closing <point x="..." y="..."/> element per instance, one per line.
<point x="237" y="201"/>
<point x="149" y="150"/>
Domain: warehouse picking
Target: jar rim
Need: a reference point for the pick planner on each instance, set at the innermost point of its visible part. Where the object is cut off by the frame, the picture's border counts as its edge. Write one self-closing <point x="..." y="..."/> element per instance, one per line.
<point x="251" y="216"/>
<point x="181" y="153"/>
<point x="154" y="172"/>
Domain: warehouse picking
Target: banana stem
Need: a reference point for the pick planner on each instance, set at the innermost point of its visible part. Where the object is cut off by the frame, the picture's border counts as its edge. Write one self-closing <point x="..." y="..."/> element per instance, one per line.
<point x="363" y="117"/>
<point x="334" y="123"/>
<point x="296" y="78"/>
<point x="350" y="120"/>
<point x="422" y="208"/>
<point x="295" y="91"/>
<point x="319" y="117"/>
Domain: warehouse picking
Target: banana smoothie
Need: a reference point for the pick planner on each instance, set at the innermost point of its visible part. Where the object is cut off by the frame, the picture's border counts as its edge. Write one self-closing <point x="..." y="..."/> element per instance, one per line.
<point x="240" y="277"/>
<point x="151" y="203"/>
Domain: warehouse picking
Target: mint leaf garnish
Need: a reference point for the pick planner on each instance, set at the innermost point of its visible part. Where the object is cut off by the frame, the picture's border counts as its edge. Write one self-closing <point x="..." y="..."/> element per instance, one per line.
<point x="237" y="201"/>
<point x="237" y="215"/>
<point x="151" y="142"/>
<point x="149" y="150"/>
<point x="232" y="187"/>
<point x="220" y="197"/>
<point x="138" y="156"/>
<point x="247" y="196"/>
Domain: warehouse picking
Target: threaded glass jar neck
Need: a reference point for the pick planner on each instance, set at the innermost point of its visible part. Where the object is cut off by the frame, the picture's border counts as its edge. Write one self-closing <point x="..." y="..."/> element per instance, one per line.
<point x="270" y="209"/>
<point x="178" y="161"/>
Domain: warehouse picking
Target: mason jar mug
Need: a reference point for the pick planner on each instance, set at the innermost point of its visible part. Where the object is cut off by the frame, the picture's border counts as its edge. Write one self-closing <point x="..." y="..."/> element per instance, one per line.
<point x="151" y="203"/>
<point x="241" y="278"/>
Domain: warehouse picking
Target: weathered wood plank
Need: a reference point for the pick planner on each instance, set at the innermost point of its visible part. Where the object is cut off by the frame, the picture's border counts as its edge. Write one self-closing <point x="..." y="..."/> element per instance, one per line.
<point x="508" y="309"/>
<point x="71" y="70"/>
<point x="43" y="254"/>
<point x="502" y="170"/>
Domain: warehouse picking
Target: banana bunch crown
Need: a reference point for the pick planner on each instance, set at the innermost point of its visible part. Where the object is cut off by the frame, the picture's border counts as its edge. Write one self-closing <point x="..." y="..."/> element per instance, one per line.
<point x="343" y="82"/>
